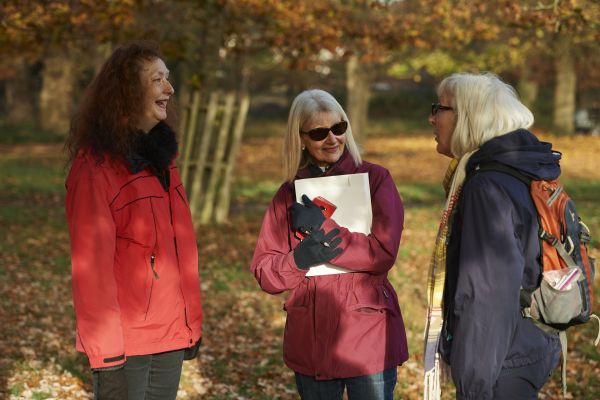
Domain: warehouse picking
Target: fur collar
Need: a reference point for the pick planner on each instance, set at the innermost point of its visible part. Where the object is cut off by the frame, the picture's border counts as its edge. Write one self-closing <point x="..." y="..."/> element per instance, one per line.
<point x="155" y="149"/>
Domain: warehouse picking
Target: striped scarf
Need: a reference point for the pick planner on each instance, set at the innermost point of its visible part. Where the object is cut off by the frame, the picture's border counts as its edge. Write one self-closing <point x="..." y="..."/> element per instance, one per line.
<point x="453" y="180"/>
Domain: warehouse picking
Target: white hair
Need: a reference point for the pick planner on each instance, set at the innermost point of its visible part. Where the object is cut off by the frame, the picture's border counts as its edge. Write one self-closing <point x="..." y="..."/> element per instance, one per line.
<point x="485" y="107"/>
<point x="306" y="105"/>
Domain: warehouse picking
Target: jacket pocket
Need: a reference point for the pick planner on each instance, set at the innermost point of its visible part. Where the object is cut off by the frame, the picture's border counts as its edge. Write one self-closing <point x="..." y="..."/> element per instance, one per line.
<point x="298" y="337"/>
<point x="364" y="326"/>
<point x="371" y="299"/>
<point x="137" y="272"/>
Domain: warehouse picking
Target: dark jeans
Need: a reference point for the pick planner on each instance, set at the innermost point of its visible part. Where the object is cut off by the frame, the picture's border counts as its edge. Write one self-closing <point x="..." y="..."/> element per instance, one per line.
<point x="524" y="383"/>
<point x="379" y="386"/>
<point x="149" y="377"/>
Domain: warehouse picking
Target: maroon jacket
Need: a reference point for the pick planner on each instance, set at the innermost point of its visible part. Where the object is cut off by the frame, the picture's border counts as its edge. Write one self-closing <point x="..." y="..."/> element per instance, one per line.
<point x="134" y="262"/>
<point x="344" y="325"/>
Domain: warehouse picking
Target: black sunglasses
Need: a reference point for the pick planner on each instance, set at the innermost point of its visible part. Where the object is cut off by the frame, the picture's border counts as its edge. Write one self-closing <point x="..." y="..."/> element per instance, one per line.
<point x="435" y="107"/>
<point x="319" y="134"/>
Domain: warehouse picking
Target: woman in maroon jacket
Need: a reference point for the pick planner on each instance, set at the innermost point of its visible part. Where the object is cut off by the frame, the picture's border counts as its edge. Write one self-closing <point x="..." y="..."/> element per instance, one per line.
<point x="133" y="250"/>
<point x="343" y="330"/>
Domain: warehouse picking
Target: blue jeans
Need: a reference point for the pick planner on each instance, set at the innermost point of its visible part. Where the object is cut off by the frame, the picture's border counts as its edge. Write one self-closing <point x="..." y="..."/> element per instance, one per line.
<point x="379" y="386"/>
<point x="149" y="377"/>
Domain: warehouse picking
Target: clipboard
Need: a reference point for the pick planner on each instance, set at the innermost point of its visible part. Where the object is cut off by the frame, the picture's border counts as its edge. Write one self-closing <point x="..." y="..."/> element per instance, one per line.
<point x="352" y="196"/>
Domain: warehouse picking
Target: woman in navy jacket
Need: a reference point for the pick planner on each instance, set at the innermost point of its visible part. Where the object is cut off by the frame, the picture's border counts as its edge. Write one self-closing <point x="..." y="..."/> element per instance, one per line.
<point x="488" y="244"/>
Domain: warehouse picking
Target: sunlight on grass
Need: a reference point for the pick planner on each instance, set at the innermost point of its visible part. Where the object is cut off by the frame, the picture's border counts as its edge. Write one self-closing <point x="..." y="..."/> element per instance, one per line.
<point x="248" y="190"/>
<point x="421" y="194"/>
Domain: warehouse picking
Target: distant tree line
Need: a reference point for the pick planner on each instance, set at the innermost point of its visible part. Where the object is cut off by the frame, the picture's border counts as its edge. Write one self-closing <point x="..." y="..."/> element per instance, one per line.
<point x="51" y="48"/>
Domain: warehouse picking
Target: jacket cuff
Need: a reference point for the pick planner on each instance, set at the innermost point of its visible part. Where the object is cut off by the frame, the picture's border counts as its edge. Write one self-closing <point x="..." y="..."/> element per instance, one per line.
<point x="106" y="361"/>
<point x="292" y="269"/>
<point x="192" y="352"/>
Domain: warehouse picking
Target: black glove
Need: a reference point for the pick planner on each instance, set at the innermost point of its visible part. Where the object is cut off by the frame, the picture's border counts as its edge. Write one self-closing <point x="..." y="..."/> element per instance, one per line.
<point x="317" y="248"/>
<point x="110" y="383"/>
<point x="306" y="217"/>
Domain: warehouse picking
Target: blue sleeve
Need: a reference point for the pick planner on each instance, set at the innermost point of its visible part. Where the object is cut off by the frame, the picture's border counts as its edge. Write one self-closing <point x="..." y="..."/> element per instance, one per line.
<point x="487" y="305"/>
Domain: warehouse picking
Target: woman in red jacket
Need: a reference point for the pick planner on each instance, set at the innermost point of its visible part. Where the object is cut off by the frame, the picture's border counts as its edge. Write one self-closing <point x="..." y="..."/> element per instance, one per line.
<point x="133" y="250"/>
<point x="343" y="331"/>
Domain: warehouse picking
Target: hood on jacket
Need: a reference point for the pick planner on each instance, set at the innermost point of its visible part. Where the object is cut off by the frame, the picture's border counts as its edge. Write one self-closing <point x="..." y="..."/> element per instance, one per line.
<point x="522" y="150"/>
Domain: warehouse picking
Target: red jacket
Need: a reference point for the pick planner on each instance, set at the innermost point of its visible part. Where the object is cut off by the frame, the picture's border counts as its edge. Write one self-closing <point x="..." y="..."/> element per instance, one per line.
<point x="345" y="325"/>
<point x="134" y="262"/>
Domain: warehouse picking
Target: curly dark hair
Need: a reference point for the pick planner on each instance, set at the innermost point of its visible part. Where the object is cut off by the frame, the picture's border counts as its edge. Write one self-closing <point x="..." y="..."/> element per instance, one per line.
<point x="105" y="121"/>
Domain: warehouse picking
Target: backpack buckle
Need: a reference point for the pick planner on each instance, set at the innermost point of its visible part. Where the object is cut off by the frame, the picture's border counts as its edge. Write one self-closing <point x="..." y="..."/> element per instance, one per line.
<point x="548" y="237"/>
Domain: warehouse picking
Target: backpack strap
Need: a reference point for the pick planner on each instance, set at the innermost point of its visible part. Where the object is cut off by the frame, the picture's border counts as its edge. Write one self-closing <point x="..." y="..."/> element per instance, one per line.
<point x="562" y="335"/>
<point x="500" y="167"/>
<point x="598" y="336"/>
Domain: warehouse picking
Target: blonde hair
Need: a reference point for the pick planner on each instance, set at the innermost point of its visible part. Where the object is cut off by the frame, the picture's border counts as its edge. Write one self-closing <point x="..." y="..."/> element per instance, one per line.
<point x="485" y="107"/>
<point x="304" y="107"/>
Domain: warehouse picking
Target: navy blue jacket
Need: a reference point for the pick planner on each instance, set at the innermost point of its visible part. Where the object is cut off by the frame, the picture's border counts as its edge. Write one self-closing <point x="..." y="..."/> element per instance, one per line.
<point x="493" y="251"/>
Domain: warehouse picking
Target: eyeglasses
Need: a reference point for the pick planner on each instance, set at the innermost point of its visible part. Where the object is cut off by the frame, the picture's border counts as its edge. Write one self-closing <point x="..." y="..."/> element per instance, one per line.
<point x="319" y="134"/>
<point x="435" y="107"/>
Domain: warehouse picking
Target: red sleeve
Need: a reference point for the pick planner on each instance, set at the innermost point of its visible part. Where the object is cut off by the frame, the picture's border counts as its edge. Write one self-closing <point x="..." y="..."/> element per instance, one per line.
<point x="93" y="236"/>
<point x="374" y="253"/>
<point x="273" y="262"/>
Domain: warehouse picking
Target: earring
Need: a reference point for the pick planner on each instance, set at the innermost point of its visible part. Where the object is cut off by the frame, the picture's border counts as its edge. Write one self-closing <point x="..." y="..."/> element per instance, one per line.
<point x="303" y="147"/>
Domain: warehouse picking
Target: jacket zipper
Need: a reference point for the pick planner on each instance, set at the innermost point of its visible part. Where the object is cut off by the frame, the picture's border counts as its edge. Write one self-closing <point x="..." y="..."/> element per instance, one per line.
<point x="152" y="266"/>
<point x="152" y="257"/>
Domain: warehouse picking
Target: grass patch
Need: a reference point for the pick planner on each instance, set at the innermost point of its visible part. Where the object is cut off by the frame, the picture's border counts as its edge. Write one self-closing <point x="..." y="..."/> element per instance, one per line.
<point x="41" y="395"/>
<point x="421" y="194"/>
<point x="16" y="390"/>
<point x="245" y="190"/>
<point x="27" y="133"/>
<point x="390" y="127"/>
<point x="22" y="175"/>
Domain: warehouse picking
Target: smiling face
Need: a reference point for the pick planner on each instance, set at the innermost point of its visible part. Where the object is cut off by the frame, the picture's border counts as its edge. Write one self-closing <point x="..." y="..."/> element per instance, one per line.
<point x="157" y="91"/>
<point x="329" y="150"/>
<point x="443" y="122"/>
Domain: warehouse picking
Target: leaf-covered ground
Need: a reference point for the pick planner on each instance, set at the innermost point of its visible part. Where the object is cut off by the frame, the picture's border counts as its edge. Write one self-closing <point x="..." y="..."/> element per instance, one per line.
<point x="241" y="353"/>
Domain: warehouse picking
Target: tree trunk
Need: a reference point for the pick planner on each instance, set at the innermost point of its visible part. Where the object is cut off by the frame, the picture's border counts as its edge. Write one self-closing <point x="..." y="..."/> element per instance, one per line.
<point x="19" y="95"/>
<point x="528" y="87"/>
<point x="203" y="146"/>
<point x="217" y="161"/>
<point x="358" y="91"/>
<point x="565" y="87"/>
<point x="224" y="199"/>
<point x="56" y="94"/>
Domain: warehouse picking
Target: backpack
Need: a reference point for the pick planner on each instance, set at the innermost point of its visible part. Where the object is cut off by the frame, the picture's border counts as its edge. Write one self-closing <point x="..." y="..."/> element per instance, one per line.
<point x="564" y="294"/>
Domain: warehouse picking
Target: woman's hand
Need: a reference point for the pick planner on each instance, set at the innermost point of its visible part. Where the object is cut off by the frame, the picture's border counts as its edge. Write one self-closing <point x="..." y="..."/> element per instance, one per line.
<point x="317" y="248"/>
<point x="306" y="217"/>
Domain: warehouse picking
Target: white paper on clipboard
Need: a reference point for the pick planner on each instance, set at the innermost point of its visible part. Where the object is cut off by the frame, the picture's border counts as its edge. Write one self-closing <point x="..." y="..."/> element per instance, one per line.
<point x="352" y="196"/>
